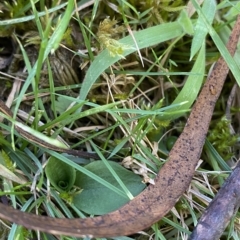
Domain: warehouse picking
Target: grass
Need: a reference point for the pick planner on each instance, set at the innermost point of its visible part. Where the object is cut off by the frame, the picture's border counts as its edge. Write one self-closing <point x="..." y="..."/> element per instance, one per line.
<point x="132" y="100"/>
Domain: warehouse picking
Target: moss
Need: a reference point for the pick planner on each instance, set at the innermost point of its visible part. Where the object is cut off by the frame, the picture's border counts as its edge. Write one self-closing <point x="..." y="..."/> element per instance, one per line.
<point x="222" y="139"/>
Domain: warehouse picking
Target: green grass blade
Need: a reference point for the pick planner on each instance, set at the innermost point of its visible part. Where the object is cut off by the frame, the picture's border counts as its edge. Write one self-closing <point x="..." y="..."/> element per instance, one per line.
<point x="28" y="18"/>
<point x="52" y="45"/>
<point x="155" y="35"/>
<point x="201" y="31"/>
<point x="220" y="45"/>
<point x="191" y="87"/>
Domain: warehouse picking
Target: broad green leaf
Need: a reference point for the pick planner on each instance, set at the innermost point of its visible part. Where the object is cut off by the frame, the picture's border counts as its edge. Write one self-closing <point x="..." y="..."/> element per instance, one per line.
<point x="97" y="199"/>
<point x="61" y="175"/>
<point x="85" y="171"/>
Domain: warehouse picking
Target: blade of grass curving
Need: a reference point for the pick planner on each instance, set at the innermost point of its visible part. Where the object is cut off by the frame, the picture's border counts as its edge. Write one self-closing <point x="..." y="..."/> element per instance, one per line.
<point x="156" y="35"/>
<point x="28" y="18"/>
